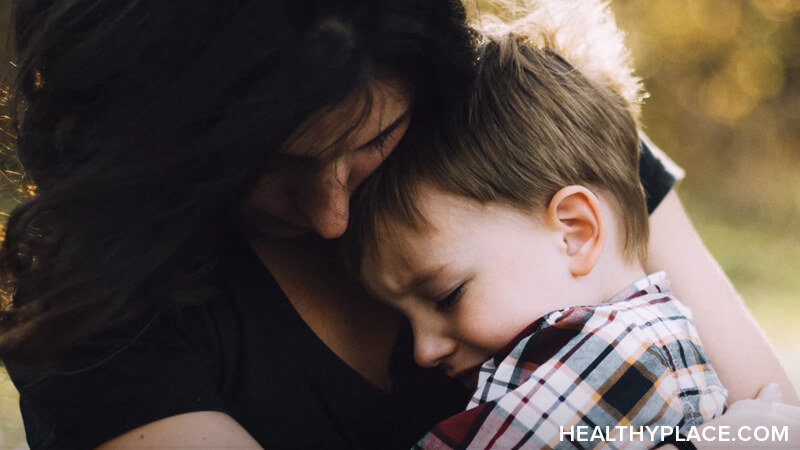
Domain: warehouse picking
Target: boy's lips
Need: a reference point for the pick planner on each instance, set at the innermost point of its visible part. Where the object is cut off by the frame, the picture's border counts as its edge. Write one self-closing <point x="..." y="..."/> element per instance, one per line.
<point x="468" y="377"/>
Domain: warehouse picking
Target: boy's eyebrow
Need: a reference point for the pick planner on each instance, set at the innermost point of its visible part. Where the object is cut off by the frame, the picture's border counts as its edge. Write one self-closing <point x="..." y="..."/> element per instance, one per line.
<point x="387" y="131"/>
<point x="423" y="278"/>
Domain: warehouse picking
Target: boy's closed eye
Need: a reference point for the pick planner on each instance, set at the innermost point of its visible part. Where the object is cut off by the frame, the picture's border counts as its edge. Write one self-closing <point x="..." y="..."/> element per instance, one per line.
<point x="448" y="301"/>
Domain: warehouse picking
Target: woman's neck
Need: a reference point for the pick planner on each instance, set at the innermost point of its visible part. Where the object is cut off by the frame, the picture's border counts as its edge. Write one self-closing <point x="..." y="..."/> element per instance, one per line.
<point x="358" y="329"/>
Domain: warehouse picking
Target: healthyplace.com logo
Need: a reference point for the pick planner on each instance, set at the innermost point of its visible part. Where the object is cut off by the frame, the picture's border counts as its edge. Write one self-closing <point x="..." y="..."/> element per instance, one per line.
<point x="710" y="433"/>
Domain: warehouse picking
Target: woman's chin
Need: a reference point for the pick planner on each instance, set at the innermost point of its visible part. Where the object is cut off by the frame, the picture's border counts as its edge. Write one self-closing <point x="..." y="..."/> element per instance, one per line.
<point x="268" y="226"/>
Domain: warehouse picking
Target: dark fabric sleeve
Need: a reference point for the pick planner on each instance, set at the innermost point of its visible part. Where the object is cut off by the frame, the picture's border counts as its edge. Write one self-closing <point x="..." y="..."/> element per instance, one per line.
<point x="114" y="383"/>
<point x="656" y="179"/>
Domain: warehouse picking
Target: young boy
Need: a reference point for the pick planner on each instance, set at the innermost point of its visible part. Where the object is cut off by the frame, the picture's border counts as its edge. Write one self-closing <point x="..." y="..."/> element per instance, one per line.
<point x="513" y="239"/>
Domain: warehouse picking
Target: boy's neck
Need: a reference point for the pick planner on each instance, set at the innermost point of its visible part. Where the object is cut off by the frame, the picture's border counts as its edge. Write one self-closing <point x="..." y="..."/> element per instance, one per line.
<point x="614" y="271"/>
<point x="610" y="279"/>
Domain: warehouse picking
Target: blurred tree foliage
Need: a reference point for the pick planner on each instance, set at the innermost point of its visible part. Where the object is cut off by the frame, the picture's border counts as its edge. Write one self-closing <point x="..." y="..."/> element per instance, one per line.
<point x="724" y="78"/>
<point x="14" y="185"/>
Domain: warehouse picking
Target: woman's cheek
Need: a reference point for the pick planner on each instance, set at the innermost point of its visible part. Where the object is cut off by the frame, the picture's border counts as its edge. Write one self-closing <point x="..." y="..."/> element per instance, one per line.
<point x="362" y="167"/>
<point x="269" y="194"/>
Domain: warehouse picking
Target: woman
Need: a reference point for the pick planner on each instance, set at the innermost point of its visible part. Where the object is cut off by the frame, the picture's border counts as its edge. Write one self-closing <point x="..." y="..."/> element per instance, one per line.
<point x="171" y="286"/>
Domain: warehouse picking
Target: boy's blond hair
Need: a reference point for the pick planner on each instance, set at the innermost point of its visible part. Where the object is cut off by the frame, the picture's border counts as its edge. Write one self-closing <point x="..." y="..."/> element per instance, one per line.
<point x="533" y="123"/>
<point x="583" y="32"/>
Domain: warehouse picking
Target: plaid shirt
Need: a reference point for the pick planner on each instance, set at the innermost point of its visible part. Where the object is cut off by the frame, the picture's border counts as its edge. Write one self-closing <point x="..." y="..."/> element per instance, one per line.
<point x="634" y="361"/>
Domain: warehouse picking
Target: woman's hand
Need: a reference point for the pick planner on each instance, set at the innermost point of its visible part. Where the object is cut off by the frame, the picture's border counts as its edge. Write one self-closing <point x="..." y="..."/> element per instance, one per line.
<point x="762" y="422"/>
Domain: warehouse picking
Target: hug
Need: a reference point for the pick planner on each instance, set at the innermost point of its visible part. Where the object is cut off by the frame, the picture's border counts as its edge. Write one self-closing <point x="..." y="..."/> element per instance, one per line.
<point x="352" y="224"/>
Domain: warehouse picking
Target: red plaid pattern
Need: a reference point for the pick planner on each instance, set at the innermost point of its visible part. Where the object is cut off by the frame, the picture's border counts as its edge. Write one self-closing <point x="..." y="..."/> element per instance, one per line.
<point x="634" y="361"/>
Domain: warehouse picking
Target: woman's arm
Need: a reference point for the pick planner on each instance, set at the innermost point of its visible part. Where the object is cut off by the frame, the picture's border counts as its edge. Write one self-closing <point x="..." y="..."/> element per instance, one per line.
<point x="742" y="356"/>
<point x="202" y="429"/>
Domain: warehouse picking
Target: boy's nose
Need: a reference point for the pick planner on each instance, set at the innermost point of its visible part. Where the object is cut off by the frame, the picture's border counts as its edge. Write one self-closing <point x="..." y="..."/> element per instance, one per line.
<point x="430" y="349"/>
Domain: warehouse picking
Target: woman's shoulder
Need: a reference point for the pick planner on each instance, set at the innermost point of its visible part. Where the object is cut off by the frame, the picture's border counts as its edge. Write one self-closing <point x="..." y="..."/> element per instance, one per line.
<point x="657" y="172"/>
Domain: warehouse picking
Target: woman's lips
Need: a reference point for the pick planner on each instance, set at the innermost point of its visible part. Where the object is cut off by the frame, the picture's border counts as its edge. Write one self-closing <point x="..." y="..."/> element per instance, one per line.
<point x="469" y="377"/>
<point x="275" y="226"/>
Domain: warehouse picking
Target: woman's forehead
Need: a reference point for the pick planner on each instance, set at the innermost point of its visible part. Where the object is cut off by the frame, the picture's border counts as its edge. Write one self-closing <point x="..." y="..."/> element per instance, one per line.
<point x="351" y="123"/>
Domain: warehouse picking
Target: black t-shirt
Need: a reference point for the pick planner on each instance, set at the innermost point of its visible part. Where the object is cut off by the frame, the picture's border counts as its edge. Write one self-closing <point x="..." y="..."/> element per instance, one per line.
<point x="248" y="354"/>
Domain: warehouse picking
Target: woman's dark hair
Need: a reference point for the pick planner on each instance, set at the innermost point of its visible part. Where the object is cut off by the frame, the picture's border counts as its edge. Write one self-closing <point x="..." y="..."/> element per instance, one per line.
<point x="145" y="124"/>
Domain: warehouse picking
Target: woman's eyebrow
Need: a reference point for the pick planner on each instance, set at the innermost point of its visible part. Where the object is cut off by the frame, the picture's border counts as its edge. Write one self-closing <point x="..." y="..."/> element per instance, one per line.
<point x="386" y="131"/>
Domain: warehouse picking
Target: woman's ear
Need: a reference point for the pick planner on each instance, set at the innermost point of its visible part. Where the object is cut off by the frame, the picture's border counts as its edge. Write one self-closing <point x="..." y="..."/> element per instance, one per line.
<point x="575" y="211"/>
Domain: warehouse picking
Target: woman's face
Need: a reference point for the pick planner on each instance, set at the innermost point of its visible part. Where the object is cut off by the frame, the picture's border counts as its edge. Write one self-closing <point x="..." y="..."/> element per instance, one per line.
<point x="325" y="161"/>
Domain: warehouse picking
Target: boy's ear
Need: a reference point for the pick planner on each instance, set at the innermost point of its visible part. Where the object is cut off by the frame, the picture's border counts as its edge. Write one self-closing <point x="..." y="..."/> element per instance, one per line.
<point x="575" y="211"/>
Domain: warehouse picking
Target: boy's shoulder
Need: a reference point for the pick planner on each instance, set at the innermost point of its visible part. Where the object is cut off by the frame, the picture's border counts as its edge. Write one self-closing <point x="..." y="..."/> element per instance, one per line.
<point x="644" y="327"/>
<point x="633" y="361"/>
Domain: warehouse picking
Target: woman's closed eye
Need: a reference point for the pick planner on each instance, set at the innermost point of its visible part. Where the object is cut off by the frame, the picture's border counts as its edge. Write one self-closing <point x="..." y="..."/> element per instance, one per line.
<point x="390" y="133"/>
<point x="378" y="145"/>
<point x="449" y="301"/>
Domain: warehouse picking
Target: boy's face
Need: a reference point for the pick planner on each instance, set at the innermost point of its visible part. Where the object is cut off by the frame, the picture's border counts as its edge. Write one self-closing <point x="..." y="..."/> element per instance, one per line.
<point x="470" y="283"/>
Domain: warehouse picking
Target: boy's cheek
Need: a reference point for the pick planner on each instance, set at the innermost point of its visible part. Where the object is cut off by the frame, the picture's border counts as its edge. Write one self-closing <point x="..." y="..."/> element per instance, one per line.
<point x="492" y="329"/>
<point x="488" y="333"/>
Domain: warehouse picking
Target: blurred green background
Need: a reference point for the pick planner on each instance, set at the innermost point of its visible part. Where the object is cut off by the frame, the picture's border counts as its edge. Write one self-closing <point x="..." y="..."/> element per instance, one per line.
<point x="724" y="83"/>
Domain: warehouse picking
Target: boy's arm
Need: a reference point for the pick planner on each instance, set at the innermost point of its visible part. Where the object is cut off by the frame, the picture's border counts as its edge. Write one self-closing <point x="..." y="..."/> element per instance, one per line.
<point x="739" y="350"/>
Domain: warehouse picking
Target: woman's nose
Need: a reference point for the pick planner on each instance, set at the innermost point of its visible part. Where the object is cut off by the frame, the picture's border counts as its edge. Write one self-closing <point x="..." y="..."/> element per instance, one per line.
<point x="327" y="205"/>
<point x="431" y="349"/>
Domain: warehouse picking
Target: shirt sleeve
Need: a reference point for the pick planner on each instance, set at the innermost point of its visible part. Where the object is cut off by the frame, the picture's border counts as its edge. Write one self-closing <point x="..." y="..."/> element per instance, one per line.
<point x="114" y="383"/>
<point x="657" y="172"/>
